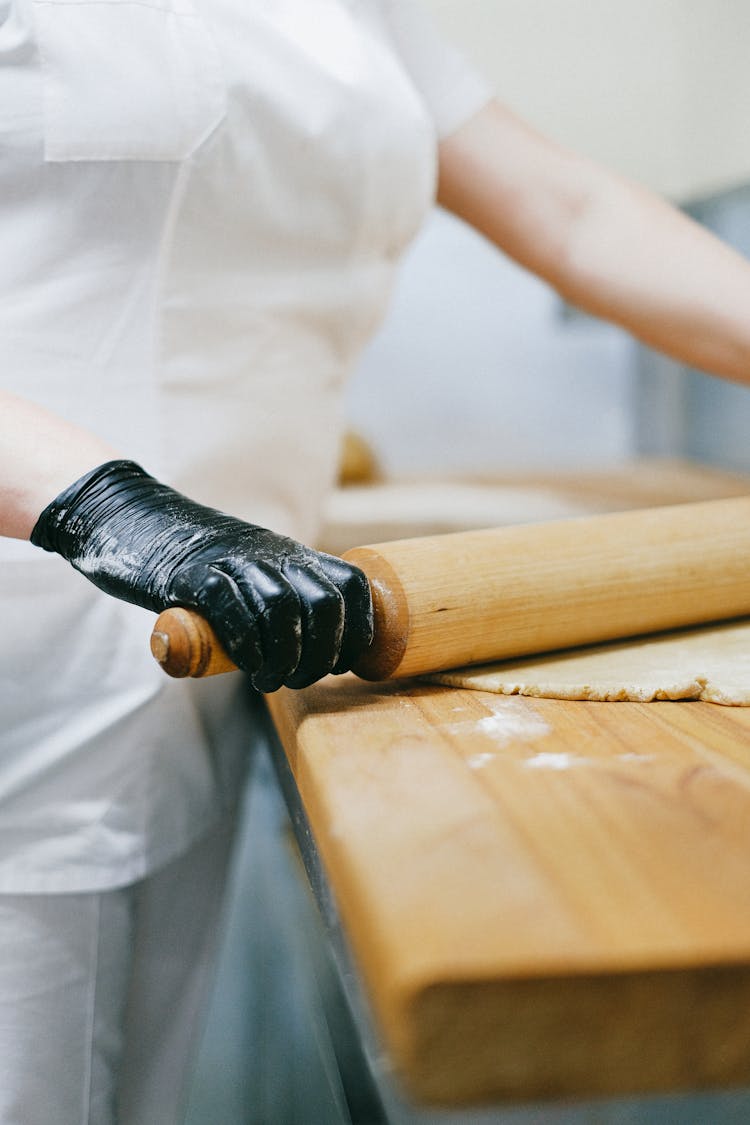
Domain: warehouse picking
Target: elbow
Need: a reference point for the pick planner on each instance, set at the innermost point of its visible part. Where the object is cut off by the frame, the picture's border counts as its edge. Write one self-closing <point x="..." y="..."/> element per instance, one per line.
<point x="585" y="265"/>
<point x="571" y="257"/>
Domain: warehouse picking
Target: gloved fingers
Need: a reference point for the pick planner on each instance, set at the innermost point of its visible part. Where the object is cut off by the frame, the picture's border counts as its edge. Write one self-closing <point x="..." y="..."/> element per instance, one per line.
<point x="216" y="597"/>
<point x="322" y="608"/>
<point x="358" y="618"/>
<point x="278" y="615"/>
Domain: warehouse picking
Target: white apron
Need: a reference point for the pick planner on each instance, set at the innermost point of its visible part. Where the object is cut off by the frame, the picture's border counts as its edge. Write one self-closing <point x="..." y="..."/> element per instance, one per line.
<point x="201" y="209"/>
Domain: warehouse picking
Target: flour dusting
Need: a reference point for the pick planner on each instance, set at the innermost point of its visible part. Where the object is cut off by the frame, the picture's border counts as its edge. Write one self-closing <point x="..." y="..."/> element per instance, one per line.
<point x="479" y="761"/>
<point x="509" y="723"/>
<point x="565" y="761"/>
<point x="506" y="723"/>
<point x="550" y="761"/>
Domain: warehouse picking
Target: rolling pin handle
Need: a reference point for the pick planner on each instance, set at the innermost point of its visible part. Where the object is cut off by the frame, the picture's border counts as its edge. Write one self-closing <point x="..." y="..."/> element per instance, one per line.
<point x="184" y="644"/>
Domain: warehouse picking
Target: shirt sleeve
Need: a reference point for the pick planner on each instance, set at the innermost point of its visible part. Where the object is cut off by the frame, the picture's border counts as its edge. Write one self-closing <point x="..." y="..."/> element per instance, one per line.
<point x="451" y="88"/>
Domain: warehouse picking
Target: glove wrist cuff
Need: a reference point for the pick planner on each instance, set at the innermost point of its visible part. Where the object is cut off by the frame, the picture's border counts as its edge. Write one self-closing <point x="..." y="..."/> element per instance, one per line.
<point x="63" y="524"/>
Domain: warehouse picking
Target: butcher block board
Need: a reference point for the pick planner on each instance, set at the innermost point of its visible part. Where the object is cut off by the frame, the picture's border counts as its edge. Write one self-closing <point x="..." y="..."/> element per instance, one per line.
<point x="544" y="899"/>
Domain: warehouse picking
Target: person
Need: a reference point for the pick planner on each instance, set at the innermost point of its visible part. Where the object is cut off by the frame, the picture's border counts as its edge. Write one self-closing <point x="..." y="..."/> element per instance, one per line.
<point x="203" y="209"/>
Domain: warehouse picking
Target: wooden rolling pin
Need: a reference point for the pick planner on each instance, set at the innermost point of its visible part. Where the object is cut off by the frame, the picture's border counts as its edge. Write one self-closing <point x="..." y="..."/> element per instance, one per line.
<point x="471" y="597"/>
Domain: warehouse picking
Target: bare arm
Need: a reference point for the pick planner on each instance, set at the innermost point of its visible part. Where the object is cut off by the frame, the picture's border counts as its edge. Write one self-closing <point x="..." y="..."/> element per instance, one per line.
<point x="606" y="245"/>
<point x="40" y="454"/>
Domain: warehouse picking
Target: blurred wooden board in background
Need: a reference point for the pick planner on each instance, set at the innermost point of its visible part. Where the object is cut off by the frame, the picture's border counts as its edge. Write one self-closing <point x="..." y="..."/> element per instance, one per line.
<point x="397" y="509"/>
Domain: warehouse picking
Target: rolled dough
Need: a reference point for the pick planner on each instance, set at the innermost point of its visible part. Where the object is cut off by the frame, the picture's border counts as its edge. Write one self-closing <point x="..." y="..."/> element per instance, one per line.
<point x="711" y="663"/>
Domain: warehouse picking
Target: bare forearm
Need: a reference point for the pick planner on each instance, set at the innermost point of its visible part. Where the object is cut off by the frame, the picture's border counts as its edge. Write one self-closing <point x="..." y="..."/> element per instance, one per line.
<point x="40" y="454"/>
<point x="606" y="245"/>
<point x="635" y="260"/>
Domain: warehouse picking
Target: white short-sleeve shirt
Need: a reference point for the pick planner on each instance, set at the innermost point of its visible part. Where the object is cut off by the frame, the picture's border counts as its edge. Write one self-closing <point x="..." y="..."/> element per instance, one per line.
<point x="202" y="208"/>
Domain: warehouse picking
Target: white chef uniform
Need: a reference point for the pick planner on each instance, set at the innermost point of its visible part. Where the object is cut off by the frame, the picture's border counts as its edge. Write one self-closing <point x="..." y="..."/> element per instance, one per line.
<point x="201" y="212"/>
<point x="202" y="207"/>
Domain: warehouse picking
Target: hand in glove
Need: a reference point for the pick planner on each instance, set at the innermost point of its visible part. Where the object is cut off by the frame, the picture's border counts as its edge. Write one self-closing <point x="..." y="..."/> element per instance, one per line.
<point x="284" y="613"/>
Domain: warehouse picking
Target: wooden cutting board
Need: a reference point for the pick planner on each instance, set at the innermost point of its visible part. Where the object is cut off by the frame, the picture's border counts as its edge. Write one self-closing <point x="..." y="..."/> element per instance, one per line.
<point x="545" y="899"/>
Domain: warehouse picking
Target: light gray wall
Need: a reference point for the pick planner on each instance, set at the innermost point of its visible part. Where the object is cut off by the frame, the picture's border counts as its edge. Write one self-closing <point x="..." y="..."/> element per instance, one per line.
<point x="477" y="371"/>
<point x="658" y="89"/>
<point x="683" y="412"/>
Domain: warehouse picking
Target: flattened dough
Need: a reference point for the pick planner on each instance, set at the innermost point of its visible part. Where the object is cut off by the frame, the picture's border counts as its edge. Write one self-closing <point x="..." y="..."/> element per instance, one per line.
<point x="711" y="663"/>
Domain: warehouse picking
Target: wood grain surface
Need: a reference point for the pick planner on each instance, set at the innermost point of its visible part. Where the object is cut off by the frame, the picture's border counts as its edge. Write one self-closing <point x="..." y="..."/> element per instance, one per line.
<point x="545" y="898"/>
<point x="448" y="600"/>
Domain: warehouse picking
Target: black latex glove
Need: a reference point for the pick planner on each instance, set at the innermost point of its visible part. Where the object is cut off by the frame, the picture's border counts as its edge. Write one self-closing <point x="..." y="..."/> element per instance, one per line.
<point x="283" y="612"/>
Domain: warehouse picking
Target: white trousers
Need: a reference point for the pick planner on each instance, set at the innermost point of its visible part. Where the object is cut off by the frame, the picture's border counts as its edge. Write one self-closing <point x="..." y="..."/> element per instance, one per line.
<point x="102" y="995"/>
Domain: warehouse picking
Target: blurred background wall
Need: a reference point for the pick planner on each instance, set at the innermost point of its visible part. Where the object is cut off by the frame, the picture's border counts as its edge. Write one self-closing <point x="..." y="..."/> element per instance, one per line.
<point x="478" y="368"/>
<point x="658" y="89"/>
